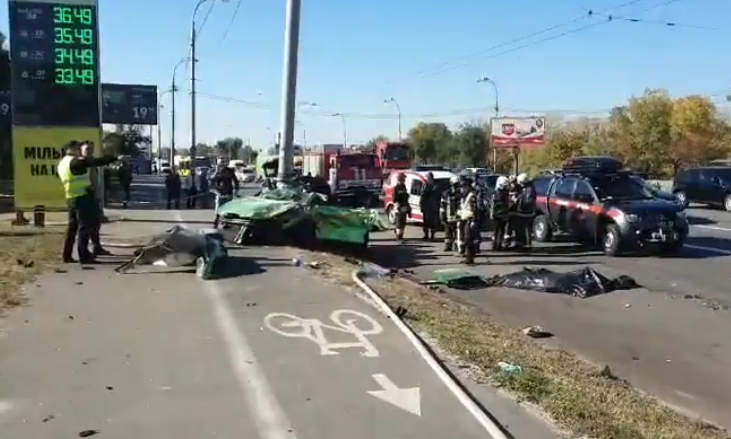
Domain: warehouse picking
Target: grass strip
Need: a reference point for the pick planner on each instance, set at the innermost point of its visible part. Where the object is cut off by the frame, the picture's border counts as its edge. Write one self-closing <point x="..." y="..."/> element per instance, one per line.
<point x="581" y="397"/>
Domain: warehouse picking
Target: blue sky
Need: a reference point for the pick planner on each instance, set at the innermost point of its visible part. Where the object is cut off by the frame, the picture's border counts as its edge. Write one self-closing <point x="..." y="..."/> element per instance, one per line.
<point x="353" y="54"/>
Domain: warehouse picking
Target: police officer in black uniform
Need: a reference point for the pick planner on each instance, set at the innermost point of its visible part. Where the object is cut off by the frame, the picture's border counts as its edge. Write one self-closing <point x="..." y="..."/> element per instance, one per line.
<point x="500" y="211"/>
<point x="448" y="212"/>
<point x="526" y="212"/>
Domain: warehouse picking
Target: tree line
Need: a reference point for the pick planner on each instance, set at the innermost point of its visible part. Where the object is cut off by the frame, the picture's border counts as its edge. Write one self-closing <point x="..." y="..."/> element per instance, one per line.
<point x="653" y="133"/>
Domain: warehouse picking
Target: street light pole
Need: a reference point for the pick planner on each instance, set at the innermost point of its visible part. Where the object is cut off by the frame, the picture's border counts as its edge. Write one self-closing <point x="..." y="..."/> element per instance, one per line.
<point x="173" y="90"/>
<point x="345" y="128"/>
<point x="398" y="109"/>
<point x="289" y="89"/>
<point x="159" y="123"/>
<point x="497" y="113"/>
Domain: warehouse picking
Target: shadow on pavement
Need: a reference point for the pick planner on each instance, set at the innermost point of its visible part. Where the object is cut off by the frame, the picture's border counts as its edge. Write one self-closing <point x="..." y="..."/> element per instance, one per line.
<point x="700" y="221"/>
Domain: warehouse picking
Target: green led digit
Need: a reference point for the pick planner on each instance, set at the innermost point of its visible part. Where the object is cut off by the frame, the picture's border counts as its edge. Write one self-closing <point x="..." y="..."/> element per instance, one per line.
<point x="84" y="15"/>
<point x="64" y="76"/>
<point x="63" y="55"/>
<point x="62" y="14"/>
<point x="63" y="35"/>
<point x="85" y="76"/>
<point x="86" y="36"/>
<point x="86" y="56"/>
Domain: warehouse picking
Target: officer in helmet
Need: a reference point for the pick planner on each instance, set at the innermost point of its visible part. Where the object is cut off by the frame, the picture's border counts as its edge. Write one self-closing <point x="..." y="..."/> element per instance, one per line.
<point x="403" y="209"/>
<point x="468" y="234"/>
<point x="448" y="212"/>
<point x="526" y="211"/>
<point x="500" y="211"/>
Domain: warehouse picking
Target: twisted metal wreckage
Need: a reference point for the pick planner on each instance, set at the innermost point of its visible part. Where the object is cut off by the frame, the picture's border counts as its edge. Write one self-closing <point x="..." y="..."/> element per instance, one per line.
<point x="276" y="216"/>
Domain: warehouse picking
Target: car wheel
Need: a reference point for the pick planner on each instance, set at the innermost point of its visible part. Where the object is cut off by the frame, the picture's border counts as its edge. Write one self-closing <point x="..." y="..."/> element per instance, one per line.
<point x="391" y="213"/>
<point x="541" y="229"/>
<point x="682" y="198"/>
<point x="611" y="240"/>
<point x="727" y="203"/>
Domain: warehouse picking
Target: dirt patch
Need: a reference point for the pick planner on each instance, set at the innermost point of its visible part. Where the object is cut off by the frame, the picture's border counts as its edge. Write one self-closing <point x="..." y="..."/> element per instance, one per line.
<point x="581" y="397"/>
<point x="25" y="252"/>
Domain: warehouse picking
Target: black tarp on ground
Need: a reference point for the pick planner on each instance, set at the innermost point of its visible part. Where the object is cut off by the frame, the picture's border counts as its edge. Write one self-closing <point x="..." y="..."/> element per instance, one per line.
<point x="583" y="283"/>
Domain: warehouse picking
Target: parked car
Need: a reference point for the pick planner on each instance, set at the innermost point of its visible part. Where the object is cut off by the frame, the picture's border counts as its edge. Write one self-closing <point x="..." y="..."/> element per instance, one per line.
<point x="606" y="205"/>
<point x="709" y="185"/>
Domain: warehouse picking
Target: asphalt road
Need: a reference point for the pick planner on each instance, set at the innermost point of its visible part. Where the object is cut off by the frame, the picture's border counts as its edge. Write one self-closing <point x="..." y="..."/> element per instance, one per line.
<point x="669" y="338"/>
<point x="268" y="351"/>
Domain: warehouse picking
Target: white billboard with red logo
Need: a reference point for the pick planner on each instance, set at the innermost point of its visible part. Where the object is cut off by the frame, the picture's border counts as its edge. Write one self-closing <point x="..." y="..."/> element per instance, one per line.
<point x="511" y="132"/>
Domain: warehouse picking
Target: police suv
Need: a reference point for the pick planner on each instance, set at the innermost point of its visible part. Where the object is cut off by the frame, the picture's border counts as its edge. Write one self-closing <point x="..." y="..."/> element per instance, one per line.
<point x="594" y="201"/>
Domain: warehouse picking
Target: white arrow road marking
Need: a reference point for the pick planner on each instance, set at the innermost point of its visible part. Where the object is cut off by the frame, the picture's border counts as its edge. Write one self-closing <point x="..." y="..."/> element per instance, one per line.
<point x="408" y="399"/>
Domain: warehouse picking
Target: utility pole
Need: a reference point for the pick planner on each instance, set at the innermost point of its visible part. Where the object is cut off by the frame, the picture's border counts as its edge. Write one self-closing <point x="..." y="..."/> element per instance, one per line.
<point x="289" y="88"/>
<point x="172" y="125"/>
<point x="159" y="131"/>
<point x="398" y="109"/>
<point x="193" y="61"/>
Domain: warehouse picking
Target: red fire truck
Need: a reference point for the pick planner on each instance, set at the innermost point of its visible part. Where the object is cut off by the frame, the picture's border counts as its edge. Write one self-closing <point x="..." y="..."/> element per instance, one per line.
<point x="394" y="156"/>
<point x="350" y="174"/>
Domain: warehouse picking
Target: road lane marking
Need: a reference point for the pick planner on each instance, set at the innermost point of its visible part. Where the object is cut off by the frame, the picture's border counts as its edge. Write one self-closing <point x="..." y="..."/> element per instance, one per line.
<point x="270" y="419"/>
<point x="709" y="249"/>
<point x="289" y="325"/>
<point x="408" y="399"/>
<point x="478" y="412"/>
<point x="5" y="407"/>
<point x="723" y="229"/>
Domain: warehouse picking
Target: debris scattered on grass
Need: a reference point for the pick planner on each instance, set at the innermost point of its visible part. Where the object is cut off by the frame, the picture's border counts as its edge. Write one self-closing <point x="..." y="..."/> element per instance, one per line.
<point x="536" y="332"/>
<point x="509" y="369"/>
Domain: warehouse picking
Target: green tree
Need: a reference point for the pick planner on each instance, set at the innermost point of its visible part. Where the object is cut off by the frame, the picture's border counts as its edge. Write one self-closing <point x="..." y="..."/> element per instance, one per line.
<point x="698" y="132"/>
<point x="229" y="147"/>
<point x="370" y="145"/>
<point x="204" y="150"/>
<point x="470" y="145"/>
<point x="428" y="140"/>
<point x="249" y="154"/>
<point x="126" y="140"/>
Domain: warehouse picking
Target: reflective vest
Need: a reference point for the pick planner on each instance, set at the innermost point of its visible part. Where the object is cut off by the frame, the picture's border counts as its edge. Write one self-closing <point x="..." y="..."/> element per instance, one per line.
<point x="74" y="186"/>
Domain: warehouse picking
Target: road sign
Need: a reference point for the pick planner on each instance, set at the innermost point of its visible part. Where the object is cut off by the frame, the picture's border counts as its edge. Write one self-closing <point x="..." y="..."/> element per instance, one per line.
<point x="129" y="104"/>
<point x="36" y="153"/>
<point x="54" y="49"/>
<point x="509" y="132"/>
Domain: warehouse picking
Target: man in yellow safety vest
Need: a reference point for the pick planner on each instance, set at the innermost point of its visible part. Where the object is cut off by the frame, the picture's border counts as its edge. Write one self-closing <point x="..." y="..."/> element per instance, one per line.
<point x="73" y="170"/>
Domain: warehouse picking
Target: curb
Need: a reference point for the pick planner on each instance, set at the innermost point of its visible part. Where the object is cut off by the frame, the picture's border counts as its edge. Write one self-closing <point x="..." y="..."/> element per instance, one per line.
<point x="493" y="429"/>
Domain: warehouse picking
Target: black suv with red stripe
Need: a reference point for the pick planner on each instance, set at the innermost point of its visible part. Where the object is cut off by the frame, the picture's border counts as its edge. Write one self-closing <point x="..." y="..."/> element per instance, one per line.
<point x="606" y="205"/>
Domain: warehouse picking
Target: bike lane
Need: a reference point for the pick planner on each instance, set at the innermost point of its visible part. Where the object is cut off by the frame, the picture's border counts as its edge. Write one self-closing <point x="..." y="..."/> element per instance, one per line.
<point x="336" y="366"/>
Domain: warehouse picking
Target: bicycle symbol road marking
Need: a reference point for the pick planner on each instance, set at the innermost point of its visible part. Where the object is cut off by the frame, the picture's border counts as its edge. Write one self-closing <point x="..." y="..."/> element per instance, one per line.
<point x="344" y="320"/>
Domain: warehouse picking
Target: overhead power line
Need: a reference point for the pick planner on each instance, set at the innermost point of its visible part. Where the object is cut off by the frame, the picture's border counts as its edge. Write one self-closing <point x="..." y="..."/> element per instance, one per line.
<point x="433" y="115"/>
<point x="515" y="40"/>
<point x="230" y="23"/>
<point x="657" y="22"/>
<point x="540" y="41"/>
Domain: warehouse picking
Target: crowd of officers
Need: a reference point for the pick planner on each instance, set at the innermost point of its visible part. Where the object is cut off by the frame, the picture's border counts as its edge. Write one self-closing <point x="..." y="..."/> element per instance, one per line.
<point x="467" y="207"/>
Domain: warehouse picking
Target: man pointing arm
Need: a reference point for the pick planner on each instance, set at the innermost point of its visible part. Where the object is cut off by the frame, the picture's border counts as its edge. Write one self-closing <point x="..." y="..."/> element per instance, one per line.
<point x="73" y="170"/>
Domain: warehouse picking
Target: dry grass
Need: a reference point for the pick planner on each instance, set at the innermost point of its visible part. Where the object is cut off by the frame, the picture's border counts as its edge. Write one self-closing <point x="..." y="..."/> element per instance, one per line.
<point x="579" y="396"/>
<point x="24" y="253"/>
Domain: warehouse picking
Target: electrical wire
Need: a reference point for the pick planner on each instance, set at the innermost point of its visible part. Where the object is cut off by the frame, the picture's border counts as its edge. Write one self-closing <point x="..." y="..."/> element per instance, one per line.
<point x="444" y="114"/>
<point x="517" y="40"/>
<point x="230" y="23"/>
<point x="205" y="19"/>
<point x="542" y="40"/>
<point x="657" y="22"/>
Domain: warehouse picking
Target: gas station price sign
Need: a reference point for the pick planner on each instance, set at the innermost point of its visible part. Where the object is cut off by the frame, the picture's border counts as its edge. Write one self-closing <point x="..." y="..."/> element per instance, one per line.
<point x="55" y="67"/>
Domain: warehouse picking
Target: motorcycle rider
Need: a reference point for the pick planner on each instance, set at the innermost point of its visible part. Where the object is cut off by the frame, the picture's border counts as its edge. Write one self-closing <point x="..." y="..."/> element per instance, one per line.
<point x="500" y="211"/>
<point x="403" y="209"/>
<point x="467" y="232"/>
<point x="448" y="212"/>
<point x="526" y="211"/>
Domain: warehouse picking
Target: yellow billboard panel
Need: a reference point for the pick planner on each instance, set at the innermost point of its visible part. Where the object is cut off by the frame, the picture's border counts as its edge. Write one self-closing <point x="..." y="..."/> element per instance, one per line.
<point x="36" y="153"/>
